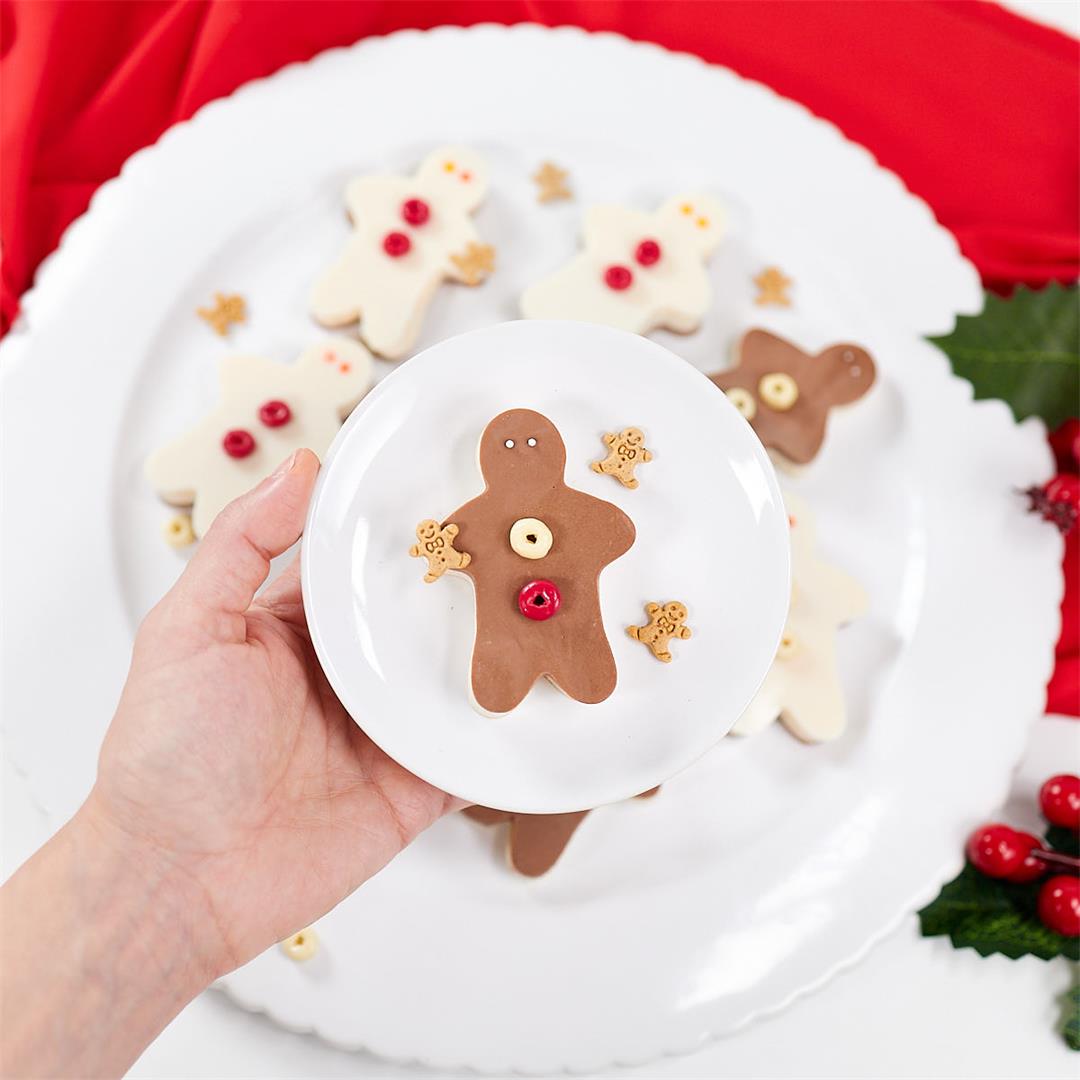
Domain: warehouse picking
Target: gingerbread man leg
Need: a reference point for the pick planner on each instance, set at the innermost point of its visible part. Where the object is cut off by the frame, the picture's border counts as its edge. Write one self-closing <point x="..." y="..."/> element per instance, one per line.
<point x="537" y="840"/>
<point x="334" y="300"/>
<point x="499" y="679"/>
<point x="391" y="325"/>
<point x="592" y="682"/>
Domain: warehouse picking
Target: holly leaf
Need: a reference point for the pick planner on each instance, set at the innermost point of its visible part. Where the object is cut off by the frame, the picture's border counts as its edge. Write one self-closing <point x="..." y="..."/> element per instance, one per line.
<point x="989" y="916"/>
<point x="1070" y="1014"/>
<point x="1062" y="839"/>
<point x="1024" y="350"/>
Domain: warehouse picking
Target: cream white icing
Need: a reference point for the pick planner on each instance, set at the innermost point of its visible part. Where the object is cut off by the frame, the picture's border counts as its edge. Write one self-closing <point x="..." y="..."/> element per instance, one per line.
<point x="674" y="292"/>
<point x="389" y="295"/>
<point x="320" y="390"/>
<point x="802" y="688"/>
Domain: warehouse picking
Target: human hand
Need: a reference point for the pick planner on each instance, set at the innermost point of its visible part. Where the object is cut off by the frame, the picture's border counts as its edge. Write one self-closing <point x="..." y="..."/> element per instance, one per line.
<point x="230" y="765"/>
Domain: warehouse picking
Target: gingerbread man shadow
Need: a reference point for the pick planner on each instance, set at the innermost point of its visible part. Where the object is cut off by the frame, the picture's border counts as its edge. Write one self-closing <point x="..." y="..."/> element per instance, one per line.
<point x="537" y="549"/>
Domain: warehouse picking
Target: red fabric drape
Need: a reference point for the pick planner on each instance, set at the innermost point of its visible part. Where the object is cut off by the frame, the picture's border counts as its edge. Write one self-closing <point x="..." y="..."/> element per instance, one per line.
<point x="974" y="108"/>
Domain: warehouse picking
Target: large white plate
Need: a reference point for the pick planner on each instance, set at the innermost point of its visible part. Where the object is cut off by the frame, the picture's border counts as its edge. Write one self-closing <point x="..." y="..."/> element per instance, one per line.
<point x="758" y="873"/>
<point x="711" y="531"/>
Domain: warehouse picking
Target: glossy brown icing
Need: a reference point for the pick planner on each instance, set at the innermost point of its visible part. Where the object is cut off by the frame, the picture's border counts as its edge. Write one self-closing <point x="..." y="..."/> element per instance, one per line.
<point x="522" y="459"/>
<point x="837" y="375"/>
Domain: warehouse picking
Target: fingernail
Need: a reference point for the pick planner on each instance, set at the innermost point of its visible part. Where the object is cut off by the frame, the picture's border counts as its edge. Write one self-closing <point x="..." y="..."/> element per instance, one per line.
<point x="282" y="470"/>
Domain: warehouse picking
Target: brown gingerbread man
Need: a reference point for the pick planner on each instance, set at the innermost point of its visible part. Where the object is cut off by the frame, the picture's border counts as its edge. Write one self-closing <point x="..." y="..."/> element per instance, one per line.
<point x="537" y="549"/>
<point x="786" y="394"/>
<point x="536" y="841"/>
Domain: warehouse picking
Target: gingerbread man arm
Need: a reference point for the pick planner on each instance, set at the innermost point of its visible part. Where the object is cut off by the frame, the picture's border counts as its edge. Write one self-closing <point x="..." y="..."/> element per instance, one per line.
<point x="651" y="609"/>
<point x="685" y="632"/>
<point x="335" y="297"/>
<point x="646" y="455"/>
<point x="450" y="531"/>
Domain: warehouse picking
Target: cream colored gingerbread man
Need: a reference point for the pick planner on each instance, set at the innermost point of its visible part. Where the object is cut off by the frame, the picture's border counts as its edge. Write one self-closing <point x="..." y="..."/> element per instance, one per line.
<point x="626" y="450"/>
<point x="265" y="411"/>
<point x="637" y="272"/>
<point x="802" y="688"/>
<point x="410" y="233"/>
<point x="664" y="623"/>
<point x="437" y="546"/>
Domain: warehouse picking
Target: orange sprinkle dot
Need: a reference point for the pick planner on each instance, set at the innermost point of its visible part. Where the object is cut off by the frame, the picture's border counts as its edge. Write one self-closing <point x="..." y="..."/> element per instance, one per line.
<point x="466" y="176"/>
<point x="791" y="521"/>
<point x="345" y="367"/>
<point x="330" y="357"/>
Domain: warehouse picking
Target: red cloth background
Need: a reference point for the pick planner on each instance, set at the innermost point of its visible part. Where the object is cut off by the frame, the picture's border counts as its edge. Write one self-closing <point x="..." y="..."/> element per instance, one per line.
<point x="974" y="108"/>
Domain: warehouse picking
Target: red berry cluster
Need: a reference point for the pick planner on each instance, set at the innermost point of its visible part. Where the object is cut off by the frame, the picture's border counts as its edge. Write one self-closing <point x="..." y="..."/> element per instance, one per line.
<point x="1059" y="500"/>
<point x="1002" y="852"/>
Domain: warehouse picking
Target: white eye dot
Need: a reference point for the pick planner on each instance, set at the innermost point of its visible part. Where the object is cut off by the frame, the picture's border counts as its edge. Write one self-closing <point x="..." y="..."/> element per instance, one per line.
<point x="847" y="356"/>
<point x="856" y="371"/>
<point x="509" y="444"/>
<point x="532" y="442"/>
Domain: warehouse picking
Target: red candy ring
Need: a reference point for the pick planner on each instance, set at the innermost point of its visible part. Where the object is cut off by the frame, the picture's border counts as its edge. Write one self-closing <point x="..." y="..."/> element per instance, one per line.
<point x="618" y="278"/>
<point x="396" y="244"/>
<point x="539" y="600"/>
<point x="275" y="413"/>
<point x="238" y="443"/>
<point x="415" y="211"/>
<point x="647" y="253"/>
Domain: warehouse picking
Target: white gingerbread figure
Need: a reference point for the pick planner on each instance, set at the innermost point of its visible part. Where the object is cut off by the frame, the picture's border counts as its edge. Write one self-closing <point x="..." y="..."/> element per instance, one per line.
<point x="637" y="272"/>
<point x="802" y="688"/>
<point x="265" y="411"/>
<point x="410" y="233"/>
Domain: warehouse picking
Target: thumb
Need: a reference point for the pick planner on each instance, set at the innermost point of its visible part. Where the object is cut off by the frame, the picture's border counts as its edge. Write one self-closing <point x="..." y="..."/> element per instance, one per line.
<point x="233" y="559"/>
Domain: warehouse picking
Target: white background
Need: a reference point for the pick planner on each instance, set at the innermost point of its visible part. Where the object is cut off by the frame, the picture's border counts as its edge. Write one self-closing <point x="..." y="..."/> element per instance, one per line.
<point x="913" y="1007"/>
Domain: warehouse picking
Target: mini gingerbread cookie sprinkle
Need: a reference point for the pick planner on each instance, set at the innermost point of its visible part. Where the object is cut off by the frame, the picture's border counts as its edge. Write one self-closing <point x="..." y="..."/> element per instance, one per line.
<point x="410" y="233"/>
<point x="226" y="311"/>
<point x="802" y="688"/>
<point x="626" y="450"/>
<point x="303" y="945"/>
<point x="786" y="394"/>
<point x="178" y="532"/>
<point x="773" y="285"/>
<point x="551" y="180"/>
<point x="475" y="263"/>
<point x="637" y="272"/>
<point x="537" y="548"/>
<point x="665" y="624"/>
<point x="437" y="546"/>
<point x="265" y="412"/>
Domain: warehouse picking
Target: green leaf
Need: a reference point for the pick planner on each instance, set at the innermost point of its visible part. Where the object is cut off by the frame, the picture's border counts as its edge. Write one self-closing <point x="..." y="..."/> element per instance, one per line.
<point x="1063" y="839"/>
<point x="1070" y="1015"/>
<point x="1024" y="350"/>
<point x="991" y="916"/>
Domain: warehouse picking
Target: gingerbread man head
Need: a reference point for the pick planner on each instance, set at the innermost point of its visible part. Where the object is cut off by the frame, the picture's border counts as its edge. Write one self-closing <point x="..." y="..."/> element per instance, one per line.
<point x="786" y="394"/>
<point x="671" y="616"/>
<point x="700" y="218"/>
<point x="521" y="451"/>
<point x="426" y="531"/>
<point x="459" y="175"/>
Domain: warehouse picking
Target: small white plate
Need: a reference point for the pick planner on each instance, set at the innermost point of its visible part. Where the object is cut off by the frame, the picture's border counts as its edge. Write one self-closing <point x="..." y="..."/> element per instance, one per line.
<point x="711" y="533"/>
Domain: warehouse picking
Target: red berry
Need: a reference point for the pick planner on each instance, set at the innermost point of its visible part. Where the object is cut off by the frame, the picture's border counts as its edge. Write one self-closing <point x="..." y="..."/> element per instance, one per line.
<point x="238" y="443"/>
<point x="1059" y="800"/>
<point x="1057" y="502"/>
<point x="1031" y="869"/>
<point x="996" y="850"/>
<point x="618" y="278"/>
<point x="539" y="600"/>
<point x="396" y="244"/>
<point x="1065" y="442"/>
<point x="275" y="413"/>
<point x="415" y="211"/>
<point x="647" y="253"/>
<point x="1059" y="904"/>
